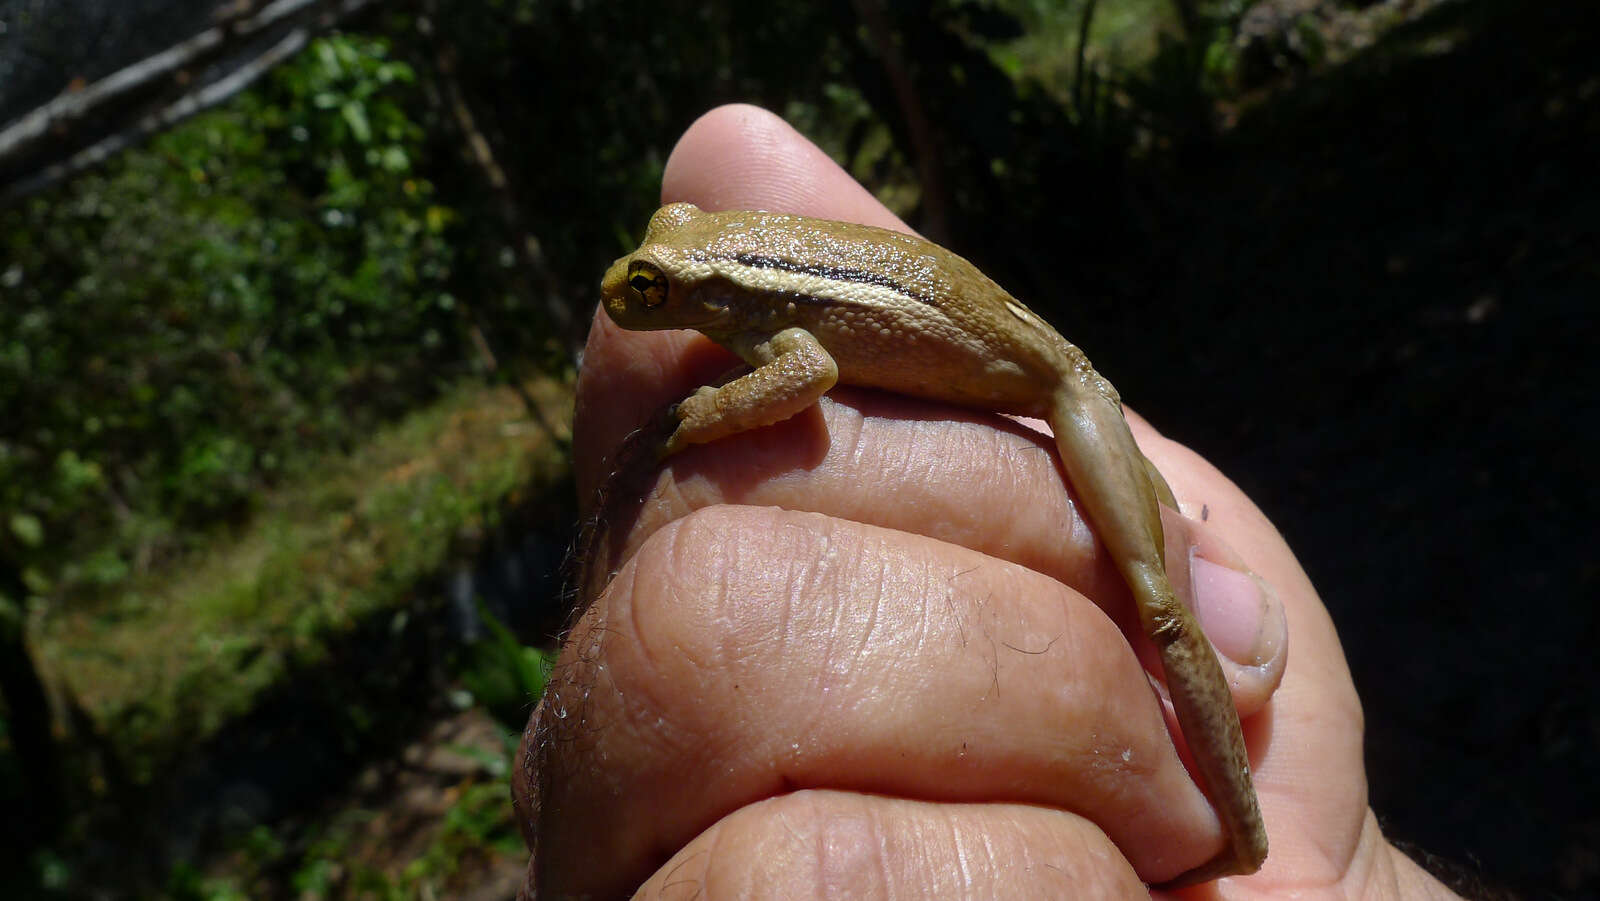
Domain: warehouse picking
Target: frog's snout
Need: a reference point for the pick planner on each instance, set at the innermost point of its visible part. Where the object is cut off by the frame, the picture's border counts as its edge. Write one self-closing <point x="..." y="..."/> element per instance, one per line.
<point x="614" y="291"/>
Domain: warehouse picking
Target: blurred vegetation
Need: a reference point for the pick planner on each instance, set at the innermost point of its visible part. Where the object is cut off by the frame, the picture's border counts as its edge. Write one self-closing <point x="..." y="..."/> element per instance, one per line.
<point x="181" y="330"/>
<point x="271" y="376"/>
<point x="460" y="834"/>
<point x="323" y="555"/>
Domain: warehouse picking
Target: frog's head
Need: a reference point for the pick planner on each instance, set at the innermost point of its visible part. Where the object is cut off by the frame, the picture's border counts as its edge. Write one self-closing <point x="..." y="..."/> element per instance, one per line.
<point x="654" y="287"/>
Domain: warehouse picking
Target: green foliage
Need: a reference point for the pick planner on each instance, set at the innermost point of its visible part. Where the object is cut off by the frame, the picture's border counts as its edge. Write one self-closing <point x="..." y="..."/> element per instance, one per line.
<point x="341" y="858"/>
<point x="180" y="656"/>
<point x="481" y="818"/>
<point x="186" y="883"/>
<point x="504" y="675"/>
<point x="586" y="153"/>
<point x="179" y="328"/>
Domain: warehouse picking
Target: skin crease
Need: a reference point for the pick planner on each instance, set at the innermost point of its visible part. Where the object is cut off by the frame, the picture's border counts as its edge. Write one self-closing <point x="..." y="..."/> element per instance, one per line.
<point x="850" y="829"/>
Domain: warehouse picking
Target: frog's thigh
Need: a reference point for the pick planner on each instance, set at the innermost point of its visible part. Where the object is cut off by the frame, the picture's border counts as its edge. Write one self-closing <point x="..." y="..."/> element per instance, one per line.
<point x="795" y="372"/>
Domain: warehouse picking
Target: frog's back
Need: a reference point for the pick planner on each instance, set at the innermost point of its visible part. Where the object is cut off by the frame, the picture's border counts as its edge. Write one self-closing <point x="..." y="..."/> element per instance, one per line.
<point x="896" y="312"/>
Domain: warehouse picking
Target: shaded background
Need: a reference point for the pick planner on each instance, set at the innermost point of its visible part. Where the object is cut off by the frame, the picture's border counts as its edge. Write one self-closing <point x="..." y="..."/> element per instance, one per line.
<point x="1345" y="250"/>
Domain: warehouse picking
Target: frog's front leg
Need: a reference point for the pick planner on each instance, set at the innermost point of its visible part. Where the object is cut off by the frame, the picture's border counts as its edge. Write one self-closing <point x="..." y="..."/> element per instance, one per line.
<point x="1119" y="489"/>
<point x="792" y="370"/>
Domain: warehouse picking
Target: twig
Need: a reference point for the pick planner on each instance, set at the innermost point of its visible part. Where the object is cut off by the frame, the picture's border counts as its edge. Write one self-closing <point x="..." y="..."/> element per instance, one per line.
<point x="61" y="122"/>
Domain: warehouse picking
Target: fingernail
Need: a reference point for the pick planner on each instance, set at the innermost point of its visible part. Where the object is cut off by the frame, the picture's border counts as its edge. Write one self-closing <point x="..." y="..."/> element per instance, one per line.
<point x="1234" y="608"/>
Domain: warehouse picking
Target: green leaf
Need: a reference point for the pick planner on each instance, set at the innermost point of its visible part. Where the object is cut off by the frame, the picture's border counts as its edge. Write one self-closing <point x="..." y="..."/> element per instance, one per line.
<point x="28" y="529"/>
<point x="395" y="160"/>
<point x="355" y="115"/>
<point x="530" y="665"/>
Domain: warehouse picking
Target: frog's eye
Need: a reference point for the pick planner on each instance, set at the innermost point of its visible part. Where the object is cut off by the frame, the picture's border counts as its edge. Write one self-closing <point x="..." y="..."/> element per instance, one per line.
<point x="648" y="282"/>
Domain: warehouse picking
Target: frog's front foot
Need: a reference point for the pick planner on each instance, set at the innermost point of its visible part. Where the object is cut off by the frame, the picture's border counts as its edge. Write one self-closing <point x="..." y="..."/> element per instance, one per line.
<point x="687" y="419"/>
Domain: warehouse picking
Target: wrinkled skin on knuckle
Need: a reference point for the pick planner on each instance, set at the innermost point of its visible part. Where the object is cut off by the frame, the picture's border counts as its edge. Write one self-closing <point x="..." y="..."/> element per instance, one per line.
<point x="744" y="652"/>
<point x="655" y="629"/>
<point x="826" y="844"/>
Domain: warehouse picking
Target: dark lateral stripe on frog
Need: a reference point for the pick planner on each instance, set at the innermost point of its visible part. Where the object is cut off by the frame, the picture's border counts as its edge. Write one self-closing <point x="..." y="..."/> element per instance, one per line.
<point x="835" y="273"/>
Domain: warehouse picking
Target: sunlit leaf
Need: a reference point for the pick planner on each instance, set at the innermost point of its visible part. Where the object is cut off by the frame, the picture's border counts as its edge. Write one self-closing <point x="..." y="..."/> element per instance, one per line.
<point x="355" y="115"/>
<point x="28" y="529"/>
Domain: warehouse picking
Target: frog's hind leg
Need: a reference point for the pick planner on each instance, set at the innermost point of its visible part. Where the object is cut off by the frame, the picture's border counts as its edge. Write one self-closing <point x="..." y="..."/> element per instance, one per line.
<point x="1119" y="488"/>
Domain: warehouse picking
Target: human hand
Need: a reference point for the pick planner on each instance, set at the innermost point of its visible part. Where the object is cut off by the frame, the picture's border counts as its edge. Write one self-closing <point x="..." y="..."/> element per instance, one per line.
<point x="912" y="686"/>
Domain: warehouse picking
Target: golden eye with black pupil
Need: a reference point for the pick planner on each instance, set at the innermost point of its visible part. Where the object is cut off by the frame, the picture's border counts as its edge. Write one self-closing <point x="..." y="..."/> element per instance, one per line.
<point x="648" y="282"/>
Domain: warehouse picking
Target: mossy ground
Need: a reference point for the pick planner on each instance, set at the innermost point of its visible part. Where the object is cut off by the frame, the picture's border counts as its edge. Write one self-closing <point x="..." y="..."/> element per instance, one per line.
<point x="188" y="648"/>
